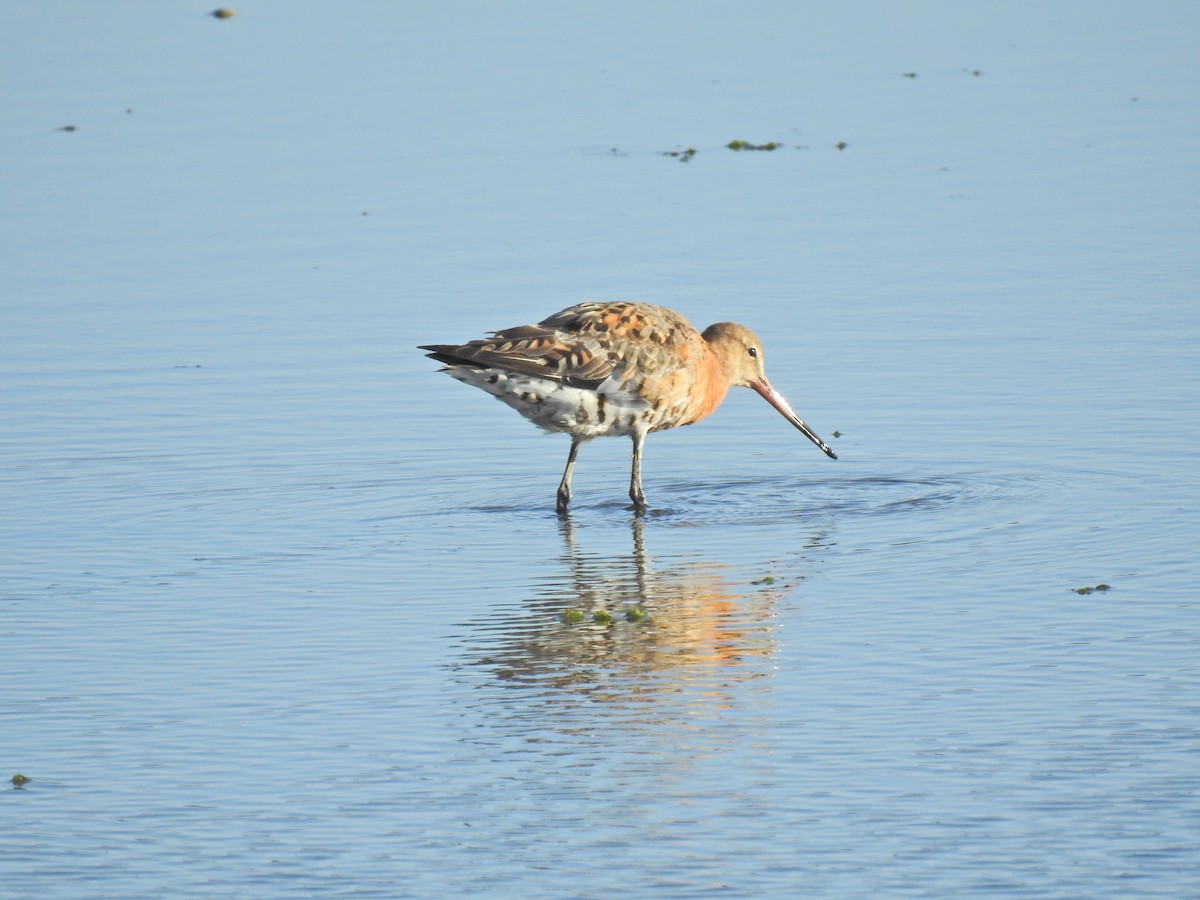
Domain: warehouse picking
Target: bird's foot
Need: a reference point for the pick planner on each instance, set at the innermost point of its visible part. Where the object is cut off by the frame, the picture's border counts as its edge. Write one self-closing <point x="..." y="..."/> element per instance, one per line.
<point x="639" y="503"/>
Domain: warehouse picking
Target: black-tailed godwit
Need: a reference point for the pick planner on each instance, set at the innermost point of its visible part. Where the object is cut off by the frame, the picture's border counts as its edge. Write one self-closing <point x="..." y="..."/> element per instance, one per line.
<point x="600" y="369"/>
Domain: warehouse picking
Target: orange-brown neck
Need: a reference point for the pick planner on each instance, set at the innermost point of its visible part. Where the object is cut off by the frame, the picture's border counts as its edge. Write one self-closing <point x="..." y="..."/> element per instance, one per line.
<point x="712" y="385"/>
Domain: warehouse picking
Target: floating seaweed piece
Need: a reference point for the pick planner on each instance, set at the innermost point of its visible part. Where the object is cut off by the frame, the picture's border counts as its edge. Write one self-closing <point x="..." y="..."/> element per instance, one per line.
<point x="746" y="145"/>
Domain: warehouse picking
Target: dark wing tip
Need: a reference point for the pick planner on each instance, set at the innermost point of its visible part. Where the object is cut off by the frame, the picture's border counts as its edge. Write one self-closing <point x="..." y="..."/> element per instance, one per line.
<point x="447" y="353"/>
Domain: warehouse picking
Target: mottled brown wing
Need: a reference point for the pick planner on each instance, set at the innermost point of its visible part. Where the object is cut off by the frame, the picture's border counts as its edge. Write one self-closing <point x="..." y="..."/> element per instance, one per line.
<point x="530" y="350"/>
<point x="583" y="345"/>
<point x="643" y="341"/>
<point x="622" y="322"/>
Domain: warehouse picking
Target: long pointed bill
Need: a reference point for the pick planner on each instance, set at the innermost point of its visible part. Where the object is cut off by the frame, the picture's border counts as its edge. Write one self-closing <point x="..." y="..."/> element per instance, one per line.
<point x="775" y="398"/>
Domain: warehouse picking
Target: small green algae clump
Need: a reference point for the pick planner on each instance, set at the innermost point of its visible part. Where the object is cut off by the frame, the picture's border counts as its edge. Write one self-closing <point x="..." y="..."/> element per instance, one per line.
<point x="740" y="145"/>
<point x="572" y="616"/>
<point x="602" y="617"/>
<point x="20" y="780"/>
<point x="635" y="614"/>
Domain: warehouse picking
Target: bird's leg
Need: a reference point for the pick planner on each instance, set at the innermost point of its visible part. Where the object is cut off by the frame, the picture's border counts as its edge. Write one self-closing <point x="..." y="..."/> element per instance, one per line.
<point x="635" y="476"/>
<point x="564" y="486"/>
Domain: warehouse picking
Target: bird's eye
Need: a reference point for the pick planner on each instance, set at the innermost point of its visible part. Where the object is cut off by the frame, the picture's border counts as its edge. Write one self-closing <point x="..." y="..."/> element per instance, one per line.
<point x="753" y="351"/>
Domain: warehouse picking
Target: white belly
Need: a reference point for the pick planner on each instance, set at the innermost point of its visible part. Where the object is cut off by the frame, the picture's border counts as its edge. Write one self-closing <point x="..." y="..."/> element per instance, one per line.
<point x="552" y="406"/>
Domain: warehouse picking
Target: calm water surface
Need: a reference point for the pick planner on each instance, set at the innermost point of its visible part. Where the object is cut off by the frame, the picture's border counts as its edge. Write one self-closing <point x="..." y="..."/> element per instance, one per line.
<point x="282" y="607"/>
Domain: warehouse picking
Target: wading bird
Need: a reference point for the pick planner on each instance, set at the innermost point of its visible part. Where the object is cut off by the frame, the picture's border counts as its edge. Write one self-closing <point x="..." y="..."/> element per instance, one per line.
<point x="600" y="369"/>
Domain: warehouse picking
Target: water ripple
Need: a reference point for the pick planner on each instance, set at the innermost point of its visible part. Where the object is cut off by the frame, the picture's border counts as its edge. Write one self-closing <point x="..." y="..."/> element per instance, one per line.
<point x="773" y="499"/>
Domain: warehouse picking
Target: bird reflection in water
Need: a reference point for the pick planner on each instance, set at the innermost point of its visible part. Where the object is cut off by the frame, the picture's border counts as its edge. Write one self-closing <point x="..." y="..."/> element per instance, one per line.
<point x="707" y="629"/>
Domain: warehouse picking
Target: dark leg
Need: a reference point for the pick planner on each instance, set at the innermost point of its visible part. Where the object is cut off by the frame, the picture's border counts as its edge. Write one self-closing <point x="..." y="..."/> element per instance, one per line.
<point x="635" y="476"/>
<point x="564" y="486"/>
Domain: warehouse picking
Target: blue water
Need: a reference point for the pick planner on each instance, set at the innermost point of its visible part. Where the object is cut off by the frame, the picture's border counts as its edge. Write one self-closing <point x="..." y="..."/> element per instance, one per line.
<point x="282" y="607"/>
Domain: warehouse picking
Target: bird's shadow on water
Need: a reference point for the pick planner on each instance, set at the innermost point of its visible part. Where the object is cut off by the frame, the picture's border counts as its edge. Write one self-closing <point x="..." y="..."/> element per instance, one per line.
<point x="630" y="627"/>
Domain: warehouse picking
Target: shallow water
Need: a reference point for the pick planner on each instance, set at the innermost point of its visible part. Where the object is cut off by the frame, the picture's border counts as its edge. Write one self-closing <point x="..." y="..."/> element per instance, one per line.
<point x="282" y="607"/>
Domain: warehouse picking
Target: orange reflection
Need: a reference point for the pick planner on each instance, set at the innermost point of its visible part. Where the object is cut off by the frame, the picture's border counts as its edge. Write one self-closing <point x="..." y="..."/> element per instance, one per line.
<point x="705" y="628"/>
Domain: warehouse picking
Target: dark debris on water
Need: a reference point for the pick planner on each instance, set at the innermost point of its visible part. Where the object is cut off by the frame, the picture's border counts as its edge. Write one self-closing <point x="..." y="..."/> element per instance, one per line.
<point x="740" y="145"/>
<point x="681" y="155"/>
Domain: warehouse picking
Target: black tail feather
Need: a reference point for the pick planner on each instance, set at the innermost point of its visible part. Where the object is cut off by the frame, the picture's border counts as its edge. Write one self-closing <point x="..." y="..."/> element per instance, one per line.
<point x="446" y="353"/>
